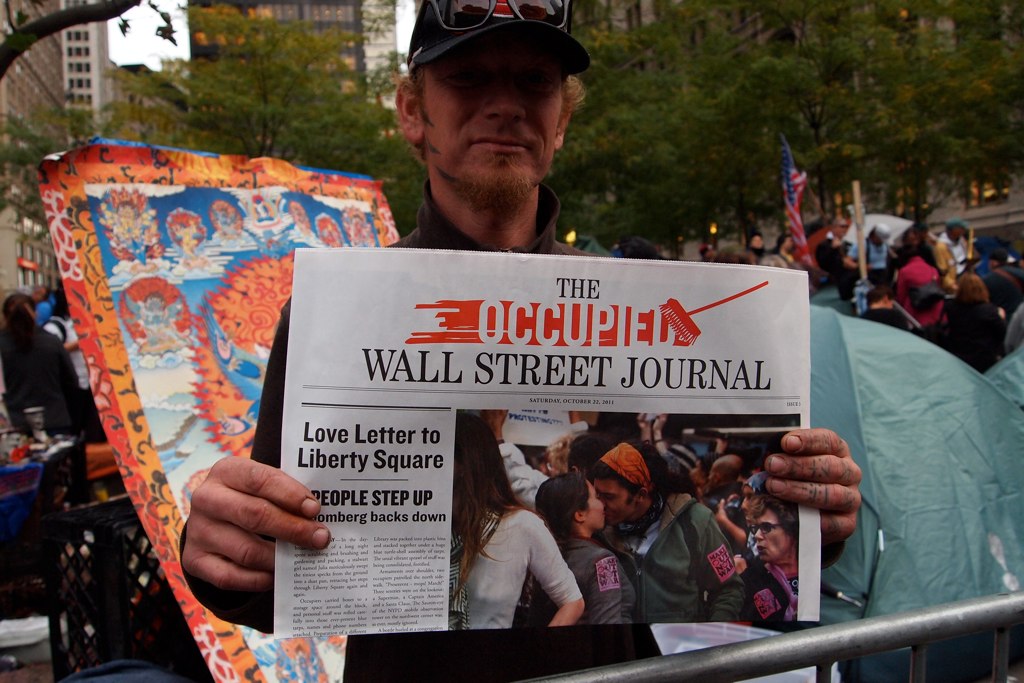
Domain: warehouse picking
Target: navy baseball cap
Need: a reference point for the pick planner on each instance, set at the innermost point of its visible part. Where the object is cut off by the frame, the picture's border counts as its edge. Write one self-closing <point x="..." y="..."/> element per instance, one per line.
<point x="443" y="25"/>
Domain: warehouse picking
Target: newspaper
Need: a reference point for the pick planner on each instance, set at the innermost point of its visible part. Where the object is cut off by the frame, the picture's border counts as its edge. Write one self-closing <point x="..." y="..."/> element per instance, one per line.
<point x="386" y="345"/>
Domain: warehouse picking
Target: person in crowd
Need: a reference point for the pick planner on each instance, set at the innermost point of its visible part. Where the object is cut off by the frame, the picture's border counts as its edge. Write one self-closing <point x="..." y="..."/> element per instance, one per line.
<point x="37" y="370"/>
<point x="1014" y="332"/>
<point x="828" y="255"/>
<point x="755" y="245"/>
<point x="974" y="326"/>
<point x="881" y="310"/>
<point x="877" y="253"/>
<point x="917" y="240"/>
<point x="556" y="456"/>
<point x="724" y="473"/>
<point x="487" y="107"/>
<point x="586" y="449"/>
<point x="44" y="303"/>
<point x="681" y="459"/>
<point x="731" y="515"/>
<point x="574" y="513"/>
<point x="784" y="247"/>
<point x="707" y="252"/>
<point x="681" y="561"/>
<point x="523" y="477"/>
<point x="634" y="246"/>
<point x="951" y="253"/>
<point x="772" y="578"/>
<point x="1005" y="281"/>
<point x="832" y="256"/>
<point x="723" y="495"/>
<point x="84" y="415"/>
<point x="918" y="287"/>
<point x="502" y="543"/>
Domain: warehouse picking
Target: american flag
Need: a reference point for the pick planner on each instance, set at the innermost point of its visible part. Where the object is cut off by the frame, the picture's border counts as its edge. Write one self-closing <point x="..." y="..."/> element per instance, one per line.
<point x="793" y="183"/>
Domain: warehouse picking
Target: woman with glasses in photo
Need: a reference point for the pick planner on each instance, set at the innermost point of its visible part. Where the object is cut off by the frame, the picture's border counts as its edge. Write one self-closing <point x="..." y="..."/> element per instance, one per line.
<point x="772" y="578"/>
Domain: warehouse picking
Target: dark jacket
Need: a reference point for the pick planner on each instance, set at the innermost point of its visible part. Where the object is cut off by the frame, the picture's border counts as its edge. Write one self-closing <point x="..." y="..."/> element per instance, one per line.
<point x="975" y="333"/>
<point x="766" y="599"/>
<point x="688" y="573"/>
<point x="40" y="376"/>
<point x="607" y="592"/>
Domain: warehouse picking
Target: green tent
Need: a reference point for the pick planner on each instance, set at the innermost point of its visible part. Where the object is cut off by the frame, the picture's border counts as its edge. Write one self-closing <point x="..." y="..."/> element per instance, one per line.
<point x="1008" y="376"/>
<point x="942" y="452"/>
<point x="589" y="244"/>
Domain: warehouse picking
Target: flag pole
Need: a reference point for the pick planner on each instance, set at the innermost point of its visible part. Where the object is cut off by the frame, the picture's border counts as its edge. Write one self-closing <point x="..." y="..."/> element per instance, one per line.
<point x="858" y="217"/>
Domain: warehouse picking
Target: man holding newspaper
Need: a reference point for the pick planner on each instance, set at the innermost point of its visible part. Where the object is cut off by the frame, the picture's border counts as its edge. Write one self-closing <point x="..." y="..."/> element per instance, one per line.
<point x="486" y="102"/>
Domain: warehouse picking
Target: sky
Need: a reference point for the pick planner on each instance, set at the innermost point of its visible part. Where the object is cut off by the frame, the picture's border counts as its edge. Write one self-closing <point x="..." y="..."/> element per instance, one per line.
<point x="141" y="45"/>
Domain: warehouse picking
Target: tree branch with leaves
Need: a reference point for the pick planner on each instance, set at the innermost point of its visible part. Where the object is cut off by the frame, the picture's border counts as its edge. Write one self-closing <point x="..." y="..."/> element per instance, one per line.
<point x="27" y="31"/>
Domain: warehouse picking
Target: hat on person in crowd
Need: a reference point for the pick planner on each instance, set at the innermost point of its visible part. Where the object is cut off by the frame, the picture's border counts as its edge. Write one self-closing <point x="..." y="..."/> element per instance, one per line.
<point x="443" y="25"/>
<point x="757" y="482"/>
<point x="686" y="457"/>
<point x="956" y="222"/>
<point x="883" y="231"/>
<point x="1000" y="256"/>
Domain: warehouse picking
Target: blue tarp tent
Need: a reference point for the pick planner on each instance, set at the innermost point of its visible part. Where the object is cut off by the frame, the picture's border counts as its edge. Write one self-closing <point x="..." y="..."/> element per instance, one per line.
<point x="942" y="452"/>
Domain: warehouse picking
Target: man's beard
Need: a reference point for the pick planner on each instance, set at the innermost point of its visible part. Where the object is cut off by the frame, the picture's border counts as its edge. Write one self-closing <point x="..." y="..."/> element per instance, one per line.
<point x="502" y="189"/>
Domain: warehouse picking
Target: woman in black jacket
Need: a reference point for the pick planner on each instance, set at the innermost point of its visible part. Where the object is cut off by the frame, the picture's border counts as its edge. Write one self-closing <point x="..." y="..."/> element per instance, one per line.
<point x="975" y="326"/>
<point x="37" y="370"/>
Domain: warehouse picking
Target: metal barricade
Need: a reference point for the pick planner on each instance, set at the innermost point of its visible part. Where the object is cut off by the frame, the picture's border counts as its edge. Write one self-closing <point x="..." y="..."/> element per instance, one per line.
<point x="823" y="646"/>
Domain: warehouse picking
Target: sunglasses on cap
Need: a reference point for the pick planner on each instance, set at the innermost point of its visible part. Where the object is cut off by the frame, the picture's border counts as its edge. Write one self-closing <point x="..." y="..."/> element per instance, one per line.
<point x="464" y="15"/>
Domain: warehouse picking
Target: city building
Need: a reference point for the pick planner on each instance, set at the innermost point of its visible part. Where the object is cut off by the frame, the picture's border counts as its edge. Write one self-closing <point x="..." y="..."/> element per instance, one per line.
<point x="372" y="19"/>
<point x="34" y="81"/>
<point x="87" y="63"/>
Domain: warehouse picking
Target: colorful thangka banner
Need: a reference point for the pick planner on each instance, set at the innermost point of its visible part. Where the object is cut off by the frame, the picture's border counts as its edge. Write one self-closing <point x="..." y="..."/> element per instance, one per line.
<point x="176" y="265"/>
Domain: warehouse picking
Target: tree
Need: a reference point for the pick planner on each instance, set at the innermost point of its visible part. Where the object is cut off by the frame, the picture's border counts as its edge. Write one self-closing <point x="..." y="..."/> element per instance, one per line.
<point x="273" y="89"/>
<point x="920" y="100"/>
<point x="24" y="32"/>
<point x="25" y="143"/>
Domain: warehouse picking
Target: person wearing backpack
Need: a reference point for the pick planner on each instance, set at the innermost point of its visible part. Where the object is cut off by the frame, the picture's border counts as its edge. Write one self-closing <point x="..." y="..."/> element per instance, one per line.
<point x="668" y="541"/>
<point x="919" y="289"/>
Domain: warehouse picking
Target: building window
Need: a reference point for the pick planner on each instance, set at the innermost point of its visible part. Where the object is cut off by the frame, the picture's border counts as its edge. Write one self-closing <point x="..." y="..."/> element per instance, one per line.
<point x="984" y="191"/>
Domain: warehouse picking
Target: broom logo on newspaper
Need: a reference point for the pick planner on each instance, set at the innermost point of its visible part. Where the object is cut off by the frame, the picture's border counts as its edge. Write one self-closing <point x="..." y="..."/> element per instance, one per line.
<point x="573" y="324"/>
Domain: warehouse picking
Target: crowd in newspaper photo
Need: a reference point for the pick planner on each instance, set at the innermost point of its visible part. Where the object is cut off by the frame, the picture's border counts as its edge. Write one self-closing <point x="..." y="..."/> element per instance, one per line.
<point x="646" y="517"/>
